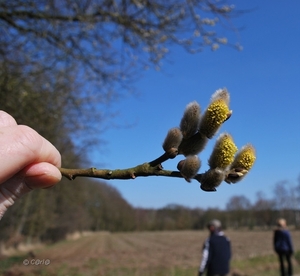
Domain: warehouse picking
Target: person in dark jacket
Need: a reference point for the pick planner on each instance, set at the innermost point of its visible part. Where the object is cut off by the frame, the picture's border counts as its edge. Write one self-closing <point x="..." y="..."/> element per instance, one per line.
<point x="283" y="247"/>
<point x="216" y="252"/>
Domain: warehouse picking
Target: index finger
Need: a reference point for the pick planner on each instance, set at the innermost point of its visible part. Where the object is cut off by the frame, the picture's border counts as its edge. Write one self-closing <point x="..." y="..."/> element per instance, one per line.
<point x="6" y="119"/>
<point x="21" y="146"/>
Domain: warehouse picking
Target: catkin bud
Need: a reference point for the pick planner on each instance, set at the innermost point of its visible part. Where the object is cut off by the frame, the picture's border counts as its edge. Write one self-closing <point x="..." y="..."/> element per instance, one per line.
<point x="242" y="163"/>
<point x="221" y="94"/>
<point x="193" y="145"/>
<point x="223" y="152"/>
<point x="216" y="114"/>
<point x="211" y="179"/>
<point x="190" y="121"/>
<point x="189" y="167"/>
<point x="172" y="142"/>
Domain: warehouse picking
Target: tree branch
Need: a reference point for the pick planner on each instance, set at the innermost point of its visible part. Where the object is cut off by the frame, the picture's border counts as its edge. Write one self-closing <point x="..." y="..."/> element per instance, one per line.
<point x="130" y="173"/>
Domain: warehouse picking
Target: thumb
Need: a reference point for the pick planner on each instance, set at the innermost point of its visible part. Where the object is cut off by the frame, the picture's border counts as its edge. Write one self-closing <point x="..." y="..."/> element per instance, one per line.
<point x="39" y="175"/>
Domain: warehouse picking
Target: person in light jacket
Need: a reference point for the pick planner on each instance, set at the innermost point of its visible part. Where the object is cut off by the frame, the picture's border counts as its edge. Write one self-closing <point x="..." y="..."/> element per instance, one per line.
<point x="216" y="252"/>
<point x="283" y="246"/>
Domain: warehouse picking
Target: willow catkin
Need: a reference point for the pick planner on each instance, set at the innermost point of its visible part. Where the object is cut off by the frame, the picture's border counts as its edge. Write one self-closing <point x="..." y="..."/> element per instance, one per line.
<point x="222" y="94"/>
<point x="242" y="163"/>
<point x="214" y="116"/>
<point x="212" y="179"/>
<point x="172" y="142"/>
<point x="189" y="123"/>
<point x="223" y="153"/>
<point x="189" y="167"/>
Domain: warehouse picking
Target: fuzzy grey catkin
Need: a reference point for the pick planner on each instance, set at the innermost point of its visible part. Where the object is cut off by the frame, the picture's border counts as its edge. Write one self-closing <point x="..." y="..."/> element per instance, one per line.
<point x="212" y="179"/>
<point x="193" y="145"/>
<point x="189" y="167"/>
<point x="172" y="142"/>
<point x="190" y="121"/>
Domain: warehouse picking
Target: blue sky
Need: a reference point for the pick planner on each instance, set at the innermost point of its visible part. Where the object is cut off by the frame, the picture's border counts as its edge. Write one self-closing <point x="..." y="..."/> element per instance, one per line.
<point x="263" y="81"/>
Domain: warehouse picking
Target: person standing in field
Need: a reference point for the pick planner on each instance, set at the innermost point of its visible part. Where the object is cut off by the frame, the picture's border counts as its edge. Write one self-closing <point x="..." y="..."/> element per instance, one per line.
<point x="283" y="247"/>
<point x="216" y="252"/>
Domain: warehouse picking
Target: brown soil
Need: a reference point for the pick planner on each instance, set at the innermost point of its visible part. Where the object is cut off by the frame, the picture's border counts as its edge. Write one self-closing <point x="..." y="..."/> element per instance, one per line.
<point x="144" y="250"/>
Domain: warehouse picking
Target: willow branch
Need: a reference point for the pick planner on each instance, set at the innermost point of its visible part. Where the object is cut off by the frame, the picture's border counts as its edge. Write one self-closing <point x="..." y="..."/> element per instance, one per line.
<point x="130" y="173"/>
<point x="158" y="161"/>
<point x="189" y="140"/>
<point x="145" y="170"/>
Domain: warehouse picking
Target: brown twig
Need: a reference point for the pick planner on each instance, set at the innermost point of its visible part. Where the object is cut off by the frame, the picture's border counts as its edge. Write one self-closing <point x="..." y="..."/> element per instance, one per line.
<point x="131" y="173"/>
<point x="158" y="161"/>
<point x="141" y="170"/>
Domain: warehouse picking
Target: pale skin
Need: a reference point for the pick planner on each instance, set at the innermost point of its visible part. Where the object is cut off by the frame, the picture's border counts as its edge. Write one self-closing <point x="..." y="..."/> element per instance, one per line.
<point x="28" y="161"/>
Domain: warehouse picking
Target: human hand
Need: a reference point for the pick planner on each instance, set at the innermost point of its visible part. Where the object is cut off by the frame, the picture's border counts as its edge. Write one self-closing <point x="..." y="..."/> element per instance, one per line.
<point x="28" y="161"/>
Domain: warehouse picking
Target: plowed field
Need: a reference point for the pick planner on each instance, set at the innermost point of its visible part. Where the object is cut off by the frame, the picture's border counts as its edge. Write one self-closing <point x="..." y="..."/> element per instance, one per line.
<point x="149" y="253"/>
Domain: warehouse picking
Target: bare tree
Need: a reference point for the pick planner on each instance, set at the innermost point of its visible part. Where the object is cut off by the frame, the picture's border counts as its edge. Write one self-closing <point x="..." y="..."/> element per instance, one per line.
<point x="239" y="208"/>
<point x="106" y="37"/>
<point x="238" y="203"/>
<point x="287" y="196"/>
<point x="264" y="210"/>
<point x="283" y="196"/>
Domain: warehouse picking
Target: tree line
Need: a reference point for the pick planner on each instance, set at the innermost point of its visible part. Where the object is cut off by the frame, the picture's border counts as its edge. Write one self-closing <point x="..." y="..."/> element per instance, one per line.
<point x="88" y="205"/>
<point x="239" y="212"/>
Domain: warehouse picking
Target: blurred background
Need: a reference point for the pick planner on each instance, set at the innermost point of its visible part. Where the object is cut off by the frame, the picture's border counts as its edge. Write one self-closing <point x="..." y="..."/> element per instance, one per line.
<point x="105" y="80"/>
